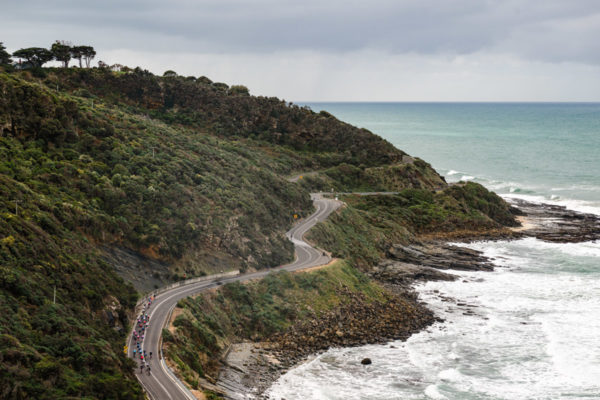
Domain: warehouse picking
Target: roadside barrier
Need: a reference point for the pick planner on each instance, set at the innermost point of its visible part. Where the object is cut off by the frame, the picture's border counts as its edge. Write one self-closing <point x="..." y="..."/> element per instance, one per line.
<point x="163" y="289"/>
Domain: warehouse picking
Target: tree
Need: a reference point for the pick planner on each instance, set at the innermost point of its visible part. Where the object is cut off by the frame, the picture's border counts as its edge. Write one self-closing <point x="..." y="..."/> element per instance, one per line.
<point x="88" y="54"/>
<point x="62" y="52"/>
<point x="170" y="74"/>
<point x="35" y="56"/>
<point x="77" y="54"/>
<point x="239" y="89"/>
<point x="4" y="55"/>
<point x="204" y="80"/>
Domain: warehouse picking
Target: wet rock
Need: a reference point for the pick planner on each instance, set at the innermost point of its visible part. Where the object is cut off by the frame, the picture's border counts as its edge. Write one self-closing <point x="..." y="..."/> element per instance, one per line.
<point x="395" y="271"/>
<point x="366" y="361"/>
<point x="440" y="256"/>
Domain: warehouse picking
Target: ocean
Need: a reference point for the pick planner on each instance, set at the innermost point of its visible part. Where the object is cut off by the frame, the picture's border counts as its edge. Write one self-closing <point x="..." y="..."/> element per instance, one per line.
<point x="534" y="329"/>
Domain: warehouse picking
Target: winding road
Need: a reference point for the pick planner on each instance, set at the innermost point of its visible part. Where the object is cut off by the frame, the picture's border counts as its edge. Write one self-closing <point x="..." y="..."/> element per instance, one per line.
<point x="161" y="383"/>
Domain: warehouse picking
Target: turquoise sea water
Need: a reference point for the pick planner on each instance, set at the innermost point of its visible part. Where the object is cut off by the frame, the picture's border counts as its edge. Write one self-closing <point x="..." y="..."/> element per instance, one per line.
<point x="535" y="332"/>
<point x="540" y="149"/>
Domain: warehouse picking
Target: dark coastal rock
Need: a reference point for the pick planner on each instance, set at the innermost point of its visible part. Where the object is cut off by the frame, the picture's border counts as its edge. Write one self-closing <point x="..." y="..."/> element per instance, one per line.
<point x="355" y="323"/>
<point x="366" y="361"/>
<point x="440" y="256"/>
<point x="400" y="272"/>
<point x="557" y="224"/>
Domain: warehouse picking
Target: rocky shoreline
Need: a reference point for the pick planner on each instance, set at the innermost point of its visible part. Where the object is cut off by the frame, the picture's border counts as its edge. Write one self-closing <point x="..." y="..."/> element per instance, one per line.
<point x="248" y="369"/>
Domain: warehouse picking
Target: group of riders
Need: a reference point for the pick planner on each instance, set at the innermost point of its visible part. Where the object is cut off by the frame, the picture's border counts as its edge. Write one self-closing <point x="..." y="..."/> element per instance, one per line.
<point x="142" y="324"/>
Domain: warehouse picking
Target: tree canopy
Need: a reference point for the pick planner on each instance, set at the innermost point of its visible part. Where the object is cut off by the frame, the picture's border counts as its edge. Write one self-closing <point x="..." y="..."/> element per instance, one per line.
<point x="61" y="52"/>
<point x="35" y="56"/>
<point x="77" y="53"/>
<point x="88" y="53"/>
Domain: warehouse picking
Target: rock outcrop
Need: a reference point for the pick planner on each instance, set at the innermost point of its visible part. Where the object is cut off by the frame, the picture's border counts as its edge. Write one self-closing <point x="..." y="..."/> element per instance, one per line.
<point x="405" y="273"/>
<point x="553" y="223"/>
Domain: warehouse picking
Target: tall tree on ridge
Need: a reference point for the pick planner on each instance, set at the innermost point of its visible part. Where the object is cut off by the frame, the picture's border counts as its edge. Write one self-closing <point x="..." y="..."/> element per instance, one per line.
<point x="88" y="54"/>
<point x="77" y="53"/>
<point x="61" y="51"/>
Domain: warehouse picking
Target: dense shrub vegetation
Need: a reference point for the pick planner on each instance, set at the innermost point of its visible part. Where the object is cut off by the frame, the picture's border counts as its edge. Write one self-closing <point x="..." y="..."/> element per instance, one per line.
<point x="366" y="228"/>
<point x="183" y="170"/>
<point x="218" y="109"/>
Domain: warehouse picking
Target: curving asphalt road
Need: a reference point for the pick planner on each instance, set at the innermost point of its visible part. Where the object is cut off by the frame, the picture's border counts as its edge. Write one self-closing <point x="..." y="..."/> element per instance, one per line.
<point x="161" y="383"/>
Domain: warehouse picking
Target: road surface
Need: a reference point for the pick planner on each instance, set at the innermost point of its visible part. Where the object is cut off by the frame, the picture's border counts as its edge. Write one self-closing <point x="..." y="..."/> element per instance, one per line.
<point x="161" y="383"/>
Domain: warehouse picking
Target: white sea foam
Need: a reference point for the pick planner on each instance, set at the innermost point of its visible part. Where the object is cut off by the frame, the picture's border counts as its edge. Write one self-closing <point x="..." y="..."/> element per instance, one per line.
<point x="533" y="336"/>
<point x="450" y="374"/>
<point x="535" y="193"/>
<point x="432" y="392"/>
<point x="588" y="207"/>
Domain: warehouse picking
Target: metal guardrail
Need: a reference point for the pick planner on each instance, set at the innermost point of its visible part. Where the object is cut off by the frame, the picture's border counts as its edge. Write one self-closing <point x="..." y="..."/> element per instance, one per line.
<point x="163" y="289"/>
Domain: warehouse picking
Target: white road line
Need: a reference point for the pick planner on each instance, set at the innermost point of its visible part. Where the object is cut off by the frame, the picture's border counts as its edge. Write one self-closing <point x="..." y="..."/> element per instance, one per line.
<point x="161" y="385"/>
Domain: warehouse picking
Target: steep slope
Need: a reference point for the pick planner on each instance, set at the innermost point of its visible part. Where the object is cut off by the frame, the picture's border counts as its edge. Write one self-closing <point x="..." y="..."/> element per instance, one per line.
<point x="189" y="173"/>
<point x="82" y="172"/>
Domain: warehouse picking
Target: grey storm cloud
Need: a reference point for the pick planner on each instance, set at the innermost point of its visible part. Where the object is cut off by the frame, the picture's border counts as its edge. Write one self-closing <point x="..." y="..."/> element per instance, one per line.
<point x="549" y="30"/>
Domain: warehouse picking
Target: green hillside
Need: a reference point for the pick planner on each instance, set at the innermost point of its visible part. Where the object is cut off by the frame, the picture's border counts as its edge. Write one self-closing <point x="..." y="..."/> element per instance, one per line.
<point x="187" y="172"/>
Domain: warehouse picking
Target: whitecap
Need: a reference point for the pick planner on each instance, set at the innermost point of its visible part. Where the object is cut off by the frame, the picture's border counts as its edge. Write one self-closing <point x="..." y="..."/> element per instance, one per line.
<point x="450" y="374"/>
<point x="433" y="393"/>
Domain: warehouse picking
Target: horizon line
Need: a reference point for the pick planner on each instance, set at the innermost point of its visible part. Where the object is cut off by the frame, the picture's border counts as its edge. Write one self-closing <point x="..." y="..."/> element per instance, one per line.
<point x="441" y="102"/>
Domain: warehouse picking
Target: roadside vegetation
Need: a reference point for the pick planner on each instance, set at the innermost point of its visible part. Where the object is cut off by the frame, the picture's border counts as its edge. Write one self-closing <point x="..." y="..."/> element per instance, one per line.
<point x="345" y="177"/>
<point x="256" y="311"/>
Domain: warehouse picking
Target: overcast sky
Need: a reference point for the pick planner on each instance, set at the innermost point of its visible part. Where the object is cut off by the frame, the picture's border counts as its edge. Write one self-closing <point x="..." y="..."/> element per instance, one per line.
<point x="334" y="50"/>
